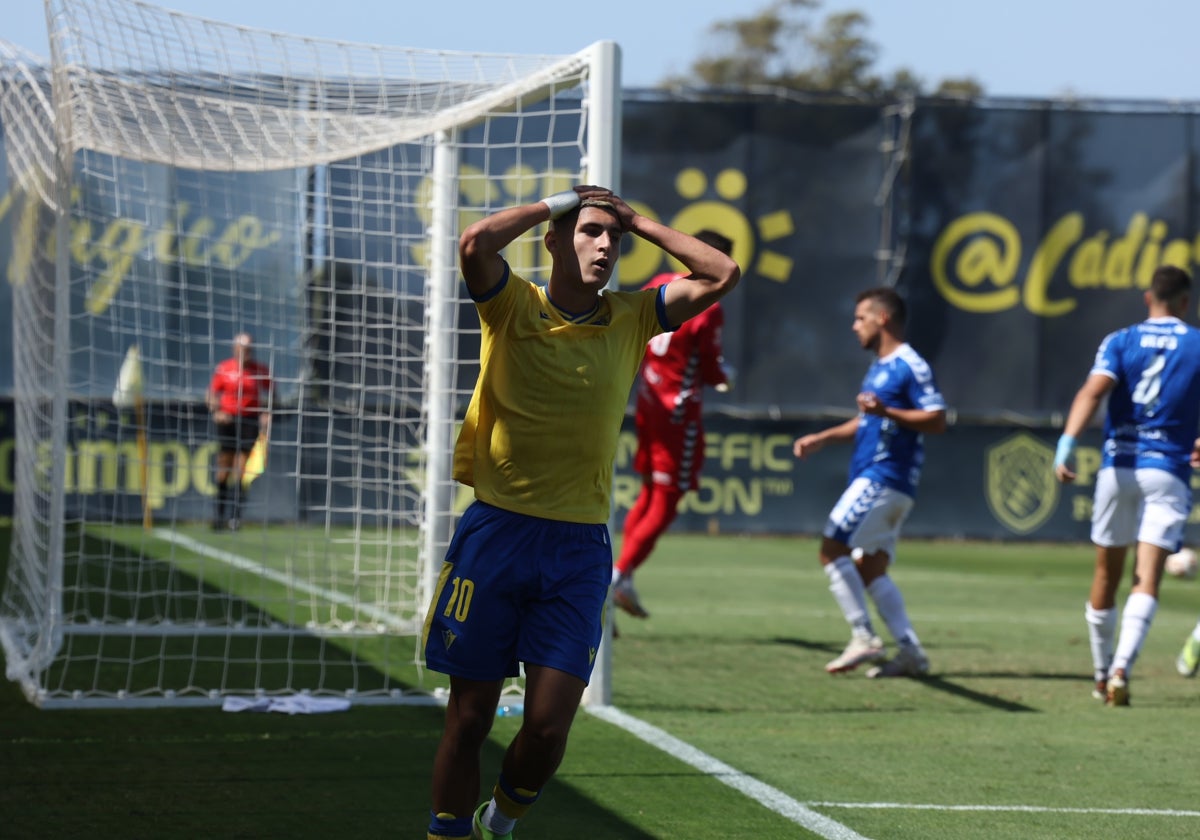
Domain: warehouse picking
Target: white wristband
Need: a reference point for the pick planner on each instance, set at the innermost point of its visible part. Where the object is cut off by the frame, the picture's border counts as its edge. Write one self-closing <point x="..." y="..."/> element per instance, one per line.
<point x="561" y="203"/>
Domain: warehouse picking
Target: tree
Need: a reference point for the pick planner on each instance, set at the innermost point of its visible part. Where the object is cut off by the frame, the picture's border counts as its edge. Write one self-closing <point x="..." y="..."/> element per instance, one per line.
<point x="783" y="45"/>
<point x="754" y="50"/>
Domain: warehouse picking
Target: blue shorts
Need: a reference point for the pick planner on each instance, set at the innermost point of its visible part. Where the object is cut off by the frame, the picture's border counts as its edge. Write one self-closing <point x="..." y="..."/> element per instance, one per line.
<point x="517" y="588"/>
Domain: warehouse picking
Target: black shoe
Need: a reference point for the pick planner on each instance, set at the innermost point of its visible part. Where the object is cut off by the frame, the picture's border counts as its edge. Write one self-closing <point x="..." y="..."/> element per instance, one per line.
<point x="218" y="525"/>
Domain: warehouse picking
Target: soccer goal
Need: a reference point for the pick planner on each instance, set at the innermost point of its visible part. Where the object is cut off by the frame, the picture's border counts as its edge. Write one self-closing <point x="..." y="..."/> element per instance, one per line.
<point x="175" y="182"/>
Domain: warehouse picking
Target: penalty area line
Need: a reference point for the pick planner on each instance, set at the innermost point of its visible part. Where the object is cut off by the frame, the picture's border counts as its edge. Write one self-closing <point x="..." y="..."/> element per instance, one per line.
<point x="765" y="795"/>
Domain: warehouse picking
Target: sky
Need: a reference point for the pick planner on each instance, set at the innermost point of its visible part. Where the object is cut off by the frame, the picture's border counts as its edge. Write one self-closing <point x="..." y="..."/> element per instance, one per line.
<point x="1107" y="49"/>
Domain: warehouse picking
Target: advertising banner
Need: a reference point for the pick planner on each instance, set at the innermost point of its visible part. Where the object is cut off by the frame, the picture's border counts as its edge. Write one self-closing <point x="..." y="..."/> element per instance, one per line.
<point x="794" y="186"/>
<point x="1027" y="233"/>
<point x="169" y="265"/>
<point x="979" y="481"/>
<point x="323" y="466"/>
<point x="1031" y="234"/>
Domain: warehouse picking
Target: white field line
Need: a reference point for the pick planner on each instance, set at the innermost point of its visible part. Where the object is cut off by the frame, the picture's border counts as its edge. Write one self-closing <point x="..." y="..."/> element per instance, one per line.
<point x="767" y="796"/>
<point x="1029" y="809"/>
<point x="763" y="794"/>
<point x="802" y="813"/>
<point x="245" y="564"/>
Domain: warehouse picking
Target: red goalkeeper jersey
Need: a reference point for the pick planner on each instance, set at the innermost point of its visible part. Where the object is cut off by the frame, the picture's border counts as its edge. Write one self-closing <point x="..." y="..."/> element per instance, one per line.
<point x="242" y="391"/>
<point x="677" y="365"/>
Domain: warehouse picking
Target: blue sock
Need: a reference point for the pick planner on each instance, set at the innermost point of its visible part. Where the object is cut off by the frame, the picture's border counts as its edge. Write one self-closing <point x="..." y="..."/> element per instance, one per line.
<point x="450" y="826"/>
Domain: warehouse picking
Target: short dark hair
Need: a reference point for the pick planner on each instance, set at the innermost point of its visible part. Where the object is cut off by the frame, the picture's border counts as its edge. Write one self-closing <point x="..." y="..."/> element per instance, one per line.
<point x="717" y="240"/>
<point x="889" y="299"/>
<point x="1169" y="283"/>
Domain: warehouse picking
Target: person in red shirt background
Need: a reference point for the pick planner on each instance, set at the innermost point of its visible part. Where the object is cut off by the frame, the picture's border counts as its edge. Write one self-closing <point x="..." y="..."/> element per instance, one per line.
<point x="239" y="398"/>
<point x="670" y="453"/>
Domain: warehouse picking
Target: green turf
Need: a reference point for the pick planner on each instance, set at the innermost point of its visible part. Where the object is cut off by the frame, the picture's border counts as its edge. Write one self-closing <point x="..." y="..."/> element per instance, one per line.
<point x="730" y="662"/>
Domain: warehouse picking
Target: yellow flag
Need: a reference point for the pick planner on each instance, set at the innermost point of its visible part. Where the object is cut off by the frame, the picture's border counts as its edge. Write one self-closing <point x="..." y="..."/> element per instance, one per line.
<point x="256" y="462"/>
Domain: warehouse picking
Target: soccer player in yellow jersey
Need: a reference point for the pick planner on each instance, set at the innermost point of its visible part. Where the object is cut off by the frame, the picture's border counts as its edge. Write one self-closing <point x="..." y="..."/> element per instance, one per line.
<point x="526" y="575"/>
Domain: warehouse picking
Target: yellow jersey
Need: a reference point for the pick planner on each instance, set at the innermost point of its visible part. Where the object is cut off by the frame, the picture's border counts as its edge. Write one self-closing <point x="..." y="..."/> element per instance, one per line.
<point x="541" y="429"/>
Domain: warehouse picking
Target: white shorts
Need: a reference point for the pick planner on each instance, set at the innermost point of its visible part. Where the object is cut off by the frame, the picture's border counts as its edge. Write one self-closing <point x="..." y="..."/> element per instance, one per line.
<point x="1116" y="507"/>
<point x="1145" y="505"/>
<point x="868" y="517"/>
<point x="1166" y="503"/>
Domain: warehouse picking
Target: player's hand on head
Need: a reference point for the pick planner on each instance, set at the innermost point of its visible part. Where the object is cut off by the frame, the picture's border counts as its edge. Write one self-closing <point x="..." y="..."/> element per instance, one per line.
<point x="624" y="212"/>
<point x="586" y="191"/>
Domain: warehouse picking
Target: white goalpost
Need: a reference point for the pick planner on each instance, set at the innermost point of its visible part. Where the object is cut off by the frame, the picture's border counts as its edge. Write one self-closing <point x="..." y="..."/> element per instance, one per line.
<point x="173" y="182"/>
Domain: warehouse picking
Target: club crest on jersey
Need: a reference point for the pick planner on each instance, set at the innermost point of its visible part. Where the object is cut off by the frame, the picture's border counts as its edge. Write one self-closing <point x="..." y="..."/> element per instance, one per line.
<point x="1021" y="490"/>
<point x="448" y="638"/>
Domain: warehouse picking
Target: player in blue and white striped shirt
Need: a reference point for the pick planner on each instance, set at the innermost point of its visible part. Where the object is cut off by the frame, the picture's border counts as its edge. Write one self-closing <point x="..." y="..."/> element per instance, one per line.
<point x="1150" y="373"/>
<point x="899" y="403"/>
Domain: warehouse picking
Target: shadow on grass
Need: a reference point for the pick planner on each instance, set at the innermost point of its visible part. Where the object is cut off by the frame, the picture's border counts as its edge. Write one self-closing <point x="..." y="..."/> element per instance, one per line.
<point x="807" y="644"/>
<point x="200" y="772"/>
<point x="1020" y="675"/>
<point x="939" y="681"/>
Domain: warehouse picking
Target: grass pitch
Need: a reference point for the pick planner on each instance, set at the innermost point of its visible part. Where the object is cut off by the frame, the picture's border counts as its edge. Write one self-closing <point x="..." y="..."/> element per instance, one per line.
<point x="751" y="739"/>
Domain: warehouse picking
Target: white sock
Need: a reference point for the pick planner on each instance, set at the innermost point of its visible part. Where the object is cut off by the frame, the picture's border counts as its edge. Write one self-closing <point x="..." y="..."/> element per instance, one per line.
<point x="1102" y="628"/>
<point x="1136" y="619"/>
<point x="493" y="819"/>
<point x="1196" y="632"/>
<point x="847" y="588"/>
<point x="890" y="603"/>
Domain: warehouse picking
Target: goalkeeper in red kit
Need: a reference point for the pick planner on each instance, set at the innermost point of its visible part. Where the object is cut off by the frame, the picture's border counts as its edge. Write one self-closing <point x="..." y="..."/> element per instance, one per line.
<point x="670" y="453"/>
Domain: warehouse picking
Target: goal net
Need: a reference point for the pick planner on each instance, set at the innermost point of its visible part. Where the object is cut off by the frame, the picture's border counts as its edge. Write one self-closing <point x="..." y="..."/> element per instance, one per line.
<point x="174" y="182"/>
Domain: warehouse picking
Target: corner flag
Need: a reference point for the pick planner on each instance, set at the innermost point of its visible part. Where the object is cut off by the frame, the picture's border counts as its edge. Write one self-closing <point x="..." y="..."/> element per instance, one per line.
<point x="128" y="394"/>
<point x="256" y="461"/>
